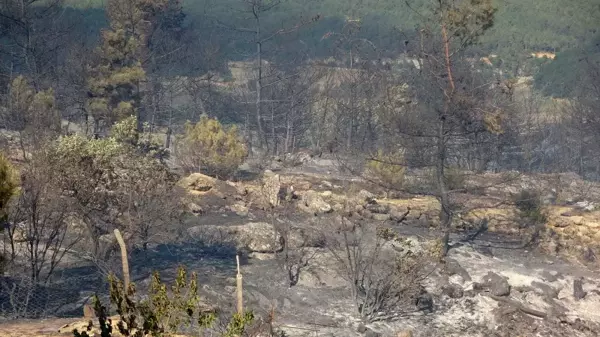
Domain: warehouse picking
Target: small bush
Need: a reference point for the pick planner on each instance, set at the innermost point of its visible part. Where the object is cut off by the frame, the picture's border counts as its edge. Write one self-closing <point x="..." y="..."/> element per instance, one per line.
<point x="455" y="179"/>
<point x="529" y="204"/>
<point x="167" y="311"/>
<point x="388" y="169"/>
<point x="207" y="147"/>
<point x="8" y="183"/>
<point x="8" y="188"/>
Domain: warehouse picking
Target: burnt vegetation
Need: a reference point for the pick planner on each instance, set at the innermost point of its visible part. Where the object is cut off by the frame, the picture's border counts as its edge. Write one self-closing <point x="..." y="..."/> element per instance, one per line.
<point x="103" y="109"/>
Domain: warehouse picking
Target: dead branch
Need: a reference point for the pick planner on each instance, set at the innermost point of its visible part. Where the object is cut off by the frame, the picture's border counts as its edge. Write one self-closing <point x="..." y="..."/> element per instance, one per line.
<point x="519" y="306"/>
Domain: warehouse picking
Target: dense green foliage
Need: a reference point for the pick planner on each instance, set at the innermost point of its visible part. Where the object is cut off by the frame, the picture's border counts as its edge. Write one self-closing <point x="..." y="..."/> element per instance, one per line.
<point x="560" y="78"/>
<point x="208" y="147"/>
<point x="519" y="28"/>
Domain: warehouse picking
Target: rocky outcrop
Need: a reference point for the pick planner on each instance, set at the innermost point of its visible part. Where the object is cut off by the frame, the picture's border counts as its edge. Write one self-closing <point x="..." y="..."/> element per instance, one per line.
<point x="312" y="202"/>
<point x="258" y="237"/>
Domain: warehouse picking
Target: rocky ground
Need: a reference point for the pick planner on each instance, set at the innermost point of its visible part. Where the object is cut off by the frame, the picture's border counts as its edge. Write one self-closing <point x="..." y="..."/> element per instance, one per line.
<point x="490" y="285"/>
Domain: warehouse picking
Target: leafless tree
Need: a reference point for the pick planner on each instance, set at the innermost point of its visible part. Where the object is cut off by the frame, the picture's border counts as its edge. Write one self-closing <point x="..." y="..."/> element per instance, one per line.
<point x="384" y="283"/>
<point x="39" y="219"/>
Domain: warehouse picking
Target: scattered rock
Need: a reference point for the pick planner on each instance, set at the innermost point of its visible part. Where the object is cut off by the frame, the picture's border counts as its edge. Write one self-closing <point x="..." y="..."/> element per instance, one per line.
<point x="195" y="209"/>
<point x="371" y="333"/>
<point x="88" y="311"/>
<point x="578" y="292"/>
<point x="550" y="276"/>
<point x="365" y="195"/>
<point x="326" y="194"/>
<point x="312" y="202"/>
<point x="378" y="208"/>
<point x="262" y="256"/>
<point x="258" y="237"/>
<point x="326" y="184"/>
<point x="425" y="302"/>
<point x="380" y="217"/>
<point x="337" y="207"/>
<point x="452" y="267"/>
<point x="361" y="328"/>
<point x="296" y="159"/>
<point x="453" y="290"/>
<point x="398" y="215"/>
<point x="486" y="251"/>
<point x="240" y="209"/>
<point x="589" y="255"/>
<point x="496" y="284"/>
<point x="585" y="205"/>
<point x="405" y="333"/>
<point x="548" y="291"/>
<point x="197" y="182"/>
<point x="271" y="189"/>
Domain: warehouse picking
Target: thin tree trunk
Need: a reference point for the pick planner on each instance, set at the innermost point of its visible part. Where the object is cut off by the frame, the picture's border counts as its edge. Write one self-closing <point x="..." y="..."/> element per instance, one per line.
<point x="445" y="215"/>
<point x="261" y="135"/>
<point x="447" y="57"/>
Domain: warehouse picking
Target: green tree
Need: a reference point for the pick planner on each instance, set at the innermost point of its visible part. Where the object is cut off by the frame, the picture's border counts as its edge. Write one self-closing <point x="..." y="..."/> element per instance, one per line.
<point x="115" y="185"/>
<point x="208" y="147"/>
<point x="115" y="82"/>
<point x="453" y="106"/>
<point x="32" y="113"/>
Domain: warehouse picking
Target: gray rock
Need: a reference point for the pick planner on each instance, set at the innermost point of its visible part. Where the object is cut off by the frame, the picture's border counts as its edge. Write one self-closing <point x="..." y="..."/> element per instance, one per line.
<point x="585" y="205"/>
<point x="337" y="207"/>
<point x="378" y="208"/>
<point x="366" y="213"/>
<point x="361" y="328"/>
<point x="195" y="209"/>
<point x="496" y="284"/>
<point x="313" y="203"/>
<point x="550" y="276"/>
<point x="578" y="292"/>
<point x="258" y="237"/>
<point x="452" y="267"/>
<point x="397" y="215"/>
<point x="365" y="195"/>
<point x="548" y="291"/>
<point x="486" y="251"/>
<point x="589" y="255"/>
<point x="326" y="184"/>
<point x="453" y="291"/>
<point x="380" y="217"/>
<point x="371" y="333"/>
<point x="425" y="302"/>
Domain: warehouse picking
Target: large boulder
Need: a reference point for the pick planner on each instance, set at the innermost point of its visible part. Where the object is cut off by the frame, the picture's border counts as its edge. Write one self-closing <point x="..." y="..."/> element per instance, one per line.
<point x="197" y="183"/>
<point x="365" y="195"/>
<point x="260" y="237"/>
<point x="312" y="202"/>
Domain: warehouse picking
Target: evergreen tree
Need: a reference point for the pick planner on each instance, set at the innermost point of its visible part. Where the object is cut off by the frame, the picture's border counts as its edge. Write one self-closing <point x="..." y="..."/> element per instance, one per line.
<point x="115" y="81"/>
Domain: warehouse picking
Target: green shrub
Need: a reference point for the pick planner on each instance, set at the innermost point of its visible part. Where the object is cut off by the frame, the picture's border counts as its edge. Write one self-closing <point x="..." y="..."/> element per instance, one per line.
<point x="8" y="188"/>
<point x="529" y="204"/>
<point x="455" y="179"/>
<point x="388" y="169"/>
<point x="8" y="183"/>
<point x="167" y="310"/>
<point x="207" y="147"/>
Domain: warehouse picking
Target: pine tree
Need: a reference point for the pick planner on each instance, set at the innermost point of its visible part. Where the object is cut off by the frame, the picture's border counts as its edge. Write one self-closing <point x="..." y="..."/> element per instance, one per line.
<point x="115" y="82"/>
